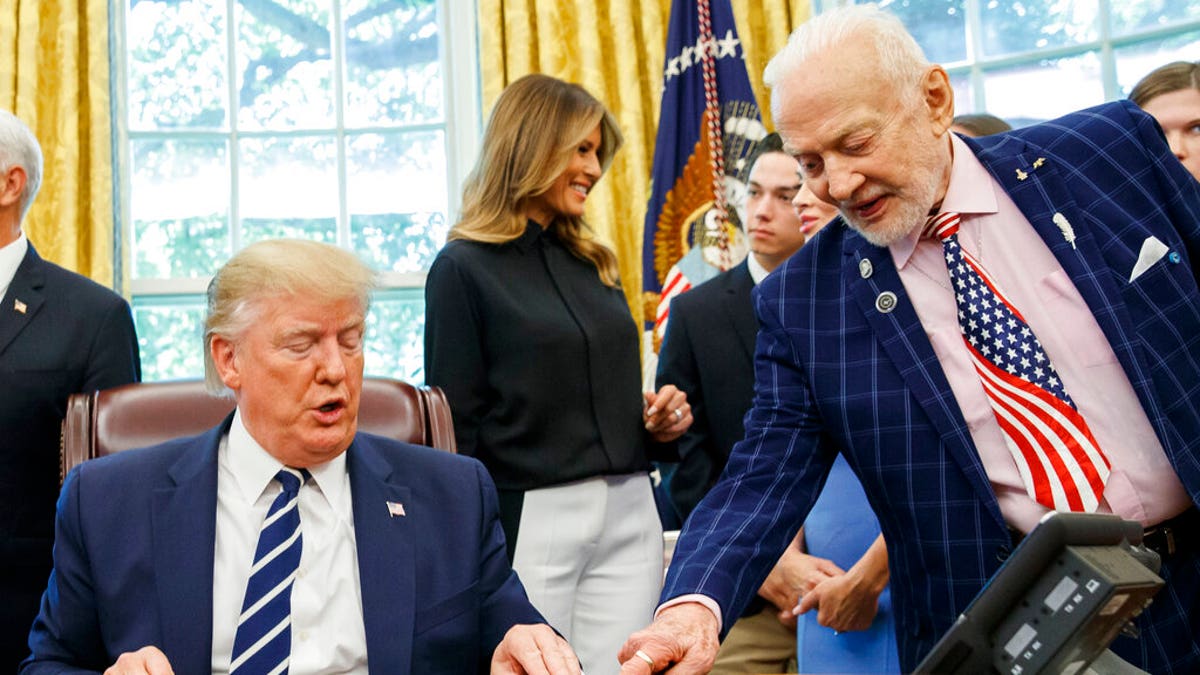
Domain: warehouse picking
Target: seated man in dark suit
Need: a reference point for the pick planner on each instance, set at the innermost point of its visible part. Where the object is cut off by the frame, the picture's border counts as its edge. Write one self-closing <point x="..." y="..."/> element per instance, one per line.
<point x="60" y="333"/>
<point x="283" y="540"/>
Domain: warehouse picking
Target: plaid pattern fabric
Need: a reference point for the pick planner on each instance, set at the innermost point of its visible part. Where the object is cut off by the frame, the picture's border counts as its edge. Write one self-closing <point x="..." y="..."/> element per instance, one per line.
<point x="836" y="374"/>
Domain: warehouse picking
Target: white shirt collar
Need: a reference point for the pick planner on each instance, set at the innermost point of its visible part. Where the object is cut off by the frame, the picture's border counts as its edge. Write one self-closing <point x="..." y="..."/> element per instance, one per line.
<point x="254" y="468"/>
<point x="757" y="271"/>
<point x="10" y="259"/>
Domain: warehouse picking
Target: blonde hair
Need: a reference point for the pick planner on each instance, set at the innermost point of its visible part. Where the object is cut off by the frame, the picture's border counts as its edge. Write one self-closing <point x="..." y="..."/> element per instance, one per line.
<point x="267" y="270"/>
<point x="534" y="130"/>
<point x="855" y="27"/>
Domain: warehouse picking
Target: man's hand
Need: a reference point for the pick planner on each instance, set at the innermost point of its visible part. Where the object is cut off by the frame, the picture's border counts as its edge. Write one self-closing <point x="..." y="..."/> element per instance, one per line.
<point x="686" y="635"/>
<point x="145" y="661"/>
<point x="843" y="603"/>
<point x="534" y="649"/>
<point x="667" y="414"/>
<point x="795" y="574"/>
<point x="850" y="601"/>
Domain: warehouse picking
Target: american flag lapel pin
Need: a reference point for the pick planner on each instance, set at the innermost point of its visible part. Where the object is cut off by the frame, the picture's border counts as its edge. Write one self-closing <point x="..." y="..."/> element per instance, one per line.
<point x="395" y="509"/>
<point x="20" y="306"/>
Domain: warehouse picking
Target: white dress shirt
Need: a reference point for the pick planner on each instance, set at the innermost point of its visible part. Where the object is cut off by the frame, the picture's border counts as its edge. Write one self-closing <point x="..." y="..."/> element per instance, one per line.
<point x="327" y="625"/>
<point x="10" y="259"/>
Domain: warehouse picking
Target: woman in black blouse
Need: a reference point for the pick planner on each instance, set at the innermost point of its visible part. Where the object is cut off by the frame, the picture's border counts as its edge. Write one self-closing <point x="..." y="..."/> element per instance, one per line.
<point x="528" y="333"/>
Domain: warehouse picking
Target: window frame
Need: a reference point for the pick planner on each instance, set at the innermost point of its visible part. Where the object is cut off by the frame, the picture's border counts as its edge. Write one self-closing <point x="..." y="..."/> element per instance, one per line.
<point x="458" y="56"/>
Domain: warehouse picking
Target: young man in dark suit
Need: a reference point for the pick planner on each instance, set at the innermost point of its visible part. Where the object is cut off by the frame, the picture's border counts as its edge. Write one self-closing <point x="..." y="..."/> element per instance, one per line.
<point x="708" y="353"/>
<point x="60" y="333"/>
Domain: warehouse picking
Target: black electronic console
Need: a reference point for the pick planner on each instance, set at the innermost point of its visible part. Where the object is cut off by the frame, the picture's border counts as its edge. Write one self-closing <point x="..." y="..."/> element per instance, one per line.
<point x="1058" y="601"/>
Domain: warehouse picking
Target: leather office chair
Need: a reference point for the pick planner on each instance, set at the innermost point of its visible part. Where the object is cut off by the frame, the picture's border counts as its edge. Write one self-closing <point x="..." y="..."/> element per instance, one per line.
<point x="136" y="415"/>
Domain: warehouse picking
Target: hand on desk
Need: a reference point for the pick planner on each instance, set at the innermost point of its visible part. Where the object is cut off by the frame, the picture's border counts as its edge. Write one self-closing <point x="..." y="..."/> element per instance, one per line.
<point x="683" y="639"/>
<point x="534" y="649"/>
<point x="148" y="660"/>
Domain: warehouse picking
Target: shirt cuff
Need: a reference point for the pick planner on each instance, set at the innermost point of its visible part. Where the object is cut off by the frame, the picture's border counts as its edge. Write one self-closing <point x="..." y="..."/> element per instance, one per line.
<point x="708" y="602"/>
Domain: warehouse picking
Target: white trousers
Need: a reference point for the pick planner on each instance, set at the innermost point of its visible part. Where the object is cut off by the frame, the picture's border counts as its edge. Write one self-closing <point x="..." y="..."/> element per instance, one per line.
<point x="590" y="555"/>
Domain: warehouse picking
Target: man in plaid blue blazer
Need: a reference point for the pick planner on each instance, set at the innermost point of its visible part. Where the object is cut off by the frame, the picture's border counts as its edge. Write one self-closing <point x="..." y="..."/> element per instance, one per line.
<point x="1088" y="219"/>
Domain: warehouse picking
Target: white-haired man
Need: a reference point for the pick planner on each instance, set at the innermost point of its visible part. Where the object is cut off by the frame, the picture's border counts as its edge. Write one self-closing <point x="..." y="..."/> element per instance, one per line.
<point x="1071" y="242"/>
<point x="60" y="333"/>
<point x="283" y="540"/>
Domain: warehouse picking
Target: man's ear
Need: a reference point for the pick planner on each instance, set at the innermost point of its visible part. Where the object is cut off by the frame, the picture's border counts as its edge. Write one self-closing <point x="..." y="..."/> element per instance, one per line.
<point x="12" y="182"/>
<point x="939" y="99"/>
<point x="224" y="356"/>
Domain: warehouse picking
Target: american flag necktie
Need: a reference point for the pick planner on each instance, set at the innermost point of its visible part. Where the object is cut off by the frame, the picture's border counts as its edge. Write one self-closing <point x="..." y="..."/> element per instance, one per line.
<point x="263" y="641"/>
<point x="1059" y="460"/>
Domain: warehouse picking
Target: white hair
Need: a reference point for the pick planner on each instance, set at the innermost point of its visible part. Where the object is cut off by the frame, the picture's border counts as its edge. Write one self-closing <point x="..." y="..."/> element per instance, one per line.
<point x="852" y="29"/>
<point x="19" y="147"/>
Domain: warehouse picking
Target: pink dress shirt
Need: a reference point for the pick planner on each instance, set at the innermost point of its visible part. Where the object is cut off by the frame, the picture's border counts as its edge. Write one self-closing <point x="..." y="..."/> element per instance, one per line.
<point x="1143" y="486"/>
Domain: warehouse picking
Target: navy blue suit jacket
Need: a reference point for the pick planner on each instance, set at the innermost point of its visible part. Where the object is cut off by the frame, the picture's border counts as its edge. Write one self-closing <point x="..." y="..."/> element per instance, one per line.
<point x="134" y="560"/>
<point x="708" y="353"/>
<point x="835" y="374"/>
<point x="60" y="333"/>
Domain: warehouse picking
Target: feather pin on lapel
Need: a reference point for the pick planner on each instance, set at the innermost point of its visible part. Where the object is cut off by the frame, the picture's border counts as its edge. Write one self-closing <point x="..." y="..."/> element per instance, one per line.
<point x="1068" y="232"/>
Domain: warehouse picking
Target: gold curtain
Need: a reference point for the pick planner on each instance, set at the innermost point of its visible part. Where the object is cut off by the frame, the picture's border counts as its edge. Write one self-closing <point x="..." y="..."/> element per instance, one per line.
<point x="614" y="48"/>
<point x="56" y="79"/>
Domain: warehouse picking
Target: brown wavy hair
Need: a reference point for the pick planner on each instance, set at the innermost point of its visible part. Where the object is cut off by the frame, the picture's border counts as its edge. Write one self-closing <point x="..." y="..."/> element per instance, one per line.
<point x="535" y="128"/>
<point x="1174" y="76"/>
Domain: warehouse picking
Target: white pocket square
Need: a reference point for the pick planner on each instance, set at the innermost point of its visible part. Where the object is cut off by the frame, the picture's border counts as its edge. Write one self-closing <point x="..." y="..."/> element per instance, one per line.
<point x="1152" y="251"/>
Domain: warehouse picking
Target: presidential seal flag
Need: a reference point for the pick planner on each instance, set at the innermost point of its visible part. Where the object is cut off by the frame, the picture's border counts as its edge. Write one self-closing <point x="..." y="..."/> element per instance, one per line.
<point x="708" y="124"/>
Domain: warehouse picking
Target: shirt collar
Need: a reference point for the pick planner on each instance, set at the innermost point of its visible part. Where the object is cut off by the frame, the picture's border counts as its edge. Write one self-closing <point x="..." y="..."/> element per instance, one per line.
<point x="757" y="271"/>
<point x="533" y="232"/>
<point x="971" y="191"/>
<point x="10" y="259"/>
<point x="254" y="468"/>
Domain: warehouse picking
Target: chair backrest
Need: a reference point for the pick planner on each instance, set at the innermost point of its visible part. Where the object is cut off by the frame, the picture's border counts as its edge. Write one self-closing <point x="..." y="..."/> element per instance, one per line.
<point x="136" y="415"/>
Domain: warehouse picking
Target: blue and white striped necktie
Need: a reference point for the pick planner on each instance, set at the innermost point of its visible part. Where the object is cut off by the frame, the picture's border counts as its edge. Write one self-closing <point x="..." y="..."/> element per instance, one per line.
<point x="263" y="642"/>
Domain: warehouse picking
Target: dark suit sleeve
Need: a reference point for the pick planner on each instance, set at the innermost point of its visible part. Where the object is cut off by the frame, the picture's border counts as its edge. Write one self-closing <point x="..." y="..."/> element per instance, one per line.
<point x="699" y="460"/>
<point x="741" y="527"/>
<point x="114" y="356"/>
<point x="66" y="634"/>
<point x="454" y="357"/>
<point x="504" y="603"/>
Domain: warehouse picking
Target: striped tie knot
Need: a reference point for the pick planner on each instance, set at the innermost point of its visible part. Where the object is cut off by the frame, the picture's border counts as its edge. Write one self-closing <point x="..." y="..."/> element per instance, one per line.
<point x="942" y="226"/>
<point x="263" y="641"/>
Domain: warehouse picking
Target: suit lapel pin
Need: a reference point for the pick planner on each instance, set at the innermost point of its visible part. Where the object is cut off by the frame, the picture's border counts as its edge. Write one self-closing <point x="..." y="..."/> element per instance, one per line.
<point x="20" y="306"/>
<point x="865" y="269"/>
<point x="1021" y="175"/>
<point x="1068" y="232"/>
<point x="1037" y="163"/>
<point x="395" y="509"/>
<point x="886" y="302"/>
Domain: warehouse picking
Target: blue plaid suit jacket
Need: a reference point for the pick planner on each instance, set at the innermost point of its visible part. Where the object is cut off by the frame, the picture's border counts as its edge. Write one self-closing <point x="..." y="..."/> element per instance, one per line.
<point x="834" y="374"/>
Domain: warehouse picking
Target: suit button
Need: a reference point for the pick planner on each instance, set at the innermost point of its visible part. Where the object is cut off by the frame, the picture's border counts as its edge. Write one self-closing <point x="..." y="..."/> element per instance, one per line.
<point x="1002" y="553"/>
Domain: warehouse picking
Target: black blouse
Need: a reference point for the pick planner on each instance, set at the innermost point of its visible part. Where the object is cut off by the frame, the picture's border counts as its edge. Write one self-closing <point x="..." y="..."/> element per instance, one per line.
<point x="539" y="360"/>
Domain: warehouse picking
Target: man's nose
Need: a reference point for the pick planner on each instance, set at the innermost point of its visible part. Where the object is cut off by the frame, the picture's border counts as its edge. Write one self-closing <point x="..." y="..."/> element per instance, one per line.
<point x="330" y="367"/>
<point x="842" y="180"/>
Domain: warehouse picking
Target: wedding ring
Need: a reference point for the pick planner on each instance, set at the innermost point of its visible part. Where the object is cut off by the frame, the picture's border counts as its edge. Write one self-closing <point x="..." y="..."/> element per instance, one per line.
<point x="678" y="414"/>
<point x="643" y="655"/>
